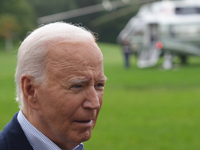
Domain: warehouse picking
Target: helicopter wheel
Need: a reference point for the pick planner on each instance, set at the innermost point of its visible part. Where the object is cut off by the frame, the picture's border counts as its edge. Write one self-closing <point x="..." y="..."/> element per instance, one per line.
<point x="183" y="59"/>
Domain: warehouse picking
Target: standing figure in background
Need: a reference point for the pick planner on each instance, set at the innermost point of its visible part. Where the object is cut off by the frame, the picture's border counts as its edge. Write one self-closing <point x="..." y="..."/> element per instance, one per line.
<point x="127" y="51"/>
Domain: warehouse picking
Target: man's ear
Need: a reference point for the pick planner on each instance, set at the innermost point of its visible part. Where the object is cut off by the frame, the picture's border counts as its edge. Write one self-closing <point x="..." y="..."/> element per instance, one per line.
<point x="28" y="89"/>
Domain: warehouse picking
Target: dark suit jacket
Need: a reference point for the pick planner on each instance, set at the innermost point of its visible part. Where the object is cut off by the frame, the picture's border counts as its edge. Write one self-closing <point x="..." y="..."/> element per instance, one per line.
<point x="13" y="138"/>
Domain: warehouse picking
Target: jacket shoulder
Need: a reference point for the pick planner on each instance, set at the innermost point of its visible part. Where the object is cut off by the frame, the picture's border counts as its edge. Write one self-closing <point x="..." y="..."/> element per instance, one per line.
<point x="3" y="144"/>
<point x="13" y="138"/>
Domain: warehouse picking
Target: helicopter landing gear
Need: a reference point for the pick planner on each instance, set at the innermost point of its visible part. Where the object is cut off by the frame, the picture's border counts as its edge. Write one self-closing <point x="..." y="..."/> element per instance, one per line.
<point x="167" y="61"/>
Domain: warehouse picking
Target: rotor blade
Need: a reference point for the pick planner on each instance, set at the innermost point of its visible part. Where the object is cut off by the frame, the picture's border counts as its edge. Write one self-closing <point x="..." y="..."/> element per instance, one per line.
<point x="112" y="16"/>
<point x="117" y="14"/>
<point x="78" y="12"/>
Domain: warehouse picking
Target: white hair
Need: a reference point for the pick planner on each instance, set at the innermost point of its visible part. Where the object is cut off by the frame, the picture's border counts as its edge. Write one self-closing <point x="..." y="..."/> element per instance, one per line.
<point x="32" y="53"/>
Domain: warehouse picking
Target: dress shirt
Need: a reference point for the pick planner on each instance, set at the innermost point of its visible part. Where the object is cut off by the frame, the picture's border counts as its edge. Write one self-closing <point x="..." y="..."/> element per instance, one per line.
<point x="37" y="139"/>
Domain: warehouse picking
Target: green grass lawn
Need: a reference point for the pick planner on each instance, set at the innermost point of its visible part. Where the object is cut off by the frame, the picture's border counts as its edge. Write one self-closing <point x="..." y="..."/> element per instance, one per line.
<point x="8" y="106"/>
<point x="143" y="109"/>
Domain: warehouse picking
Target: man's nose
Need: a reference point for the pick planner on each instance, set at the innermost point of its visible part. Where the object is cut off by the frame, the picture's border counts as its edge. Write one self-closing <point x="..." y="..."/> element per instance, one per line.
<point x="91" y="99"/>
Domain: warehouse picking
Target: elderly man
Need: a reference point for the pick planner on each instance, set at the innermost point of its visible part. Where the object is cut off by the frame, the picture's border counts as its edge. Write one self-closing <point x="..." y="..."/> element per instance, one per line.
<point x="60" y="84"/>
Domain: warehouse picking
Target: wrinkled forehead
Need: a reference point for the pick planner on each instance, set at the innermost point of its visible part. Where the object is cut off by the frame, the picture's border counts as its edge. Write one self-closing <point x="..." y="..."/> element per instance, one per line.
<point x="85" y="52"/>
<point x="75" y="59"/>
<point x="75" y="47"/>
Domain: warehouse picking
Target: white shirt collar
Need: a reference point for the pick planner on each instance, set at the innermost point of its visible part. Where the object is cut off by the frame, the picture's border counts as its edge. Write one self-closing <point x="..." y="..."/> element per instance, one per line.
<point x="37" y="139"/>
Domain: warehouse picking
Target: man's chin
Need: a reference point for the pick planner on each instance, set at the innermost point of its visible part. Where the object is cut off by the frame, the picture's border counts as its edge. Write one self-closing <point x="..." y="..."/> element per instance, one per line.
<point x="84" y="136"/>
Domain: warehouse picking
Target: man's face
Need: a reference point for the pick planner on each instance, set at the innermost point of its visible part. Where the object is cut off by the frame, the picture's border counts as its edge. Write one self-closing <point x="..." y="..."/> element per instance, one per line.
<point x="71" y="98"/>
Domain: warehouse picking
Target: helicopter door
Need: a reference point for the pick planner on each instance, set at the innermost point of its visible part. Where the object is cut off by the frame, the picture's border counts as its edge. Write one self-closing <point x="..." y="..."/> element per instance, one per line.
<point x="149" y="55"/>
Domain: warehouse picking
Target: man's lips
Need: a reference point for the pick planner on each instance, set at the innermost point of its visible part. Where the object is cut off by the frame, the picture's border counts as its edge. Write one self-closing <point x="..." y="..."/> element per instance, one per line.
<point x="89" y="121"/>
<point x="85" y="121"/>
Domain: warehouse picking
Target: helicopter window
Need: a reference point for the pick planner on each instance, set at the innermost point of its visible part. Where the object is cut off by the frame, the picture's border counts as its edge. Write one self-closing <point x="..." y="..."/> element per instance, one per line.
<point x="187" y="10"/>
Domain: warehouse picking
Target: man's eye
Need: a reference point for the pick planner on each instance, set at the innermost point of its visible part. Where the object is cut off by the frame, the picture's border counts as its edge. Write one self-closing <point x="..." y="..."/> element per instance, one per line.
<point x="76" y="86"/>
<point x="99" y="85"/>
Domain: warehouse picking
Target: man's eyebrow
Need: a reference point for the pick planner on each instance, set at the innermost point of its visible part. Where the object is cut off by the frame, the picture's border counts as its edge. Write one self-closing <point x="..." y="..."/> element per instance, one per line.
<point x="103" y="79"/>
<point x="78" y="81"/>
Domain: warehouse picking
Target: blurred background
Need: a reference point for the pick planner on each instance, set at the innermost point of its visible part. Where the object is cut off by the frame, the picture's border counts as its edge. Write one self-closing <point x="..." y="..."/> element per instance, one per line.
<point x="23" y="15"/>
<point x="151" y="54"/>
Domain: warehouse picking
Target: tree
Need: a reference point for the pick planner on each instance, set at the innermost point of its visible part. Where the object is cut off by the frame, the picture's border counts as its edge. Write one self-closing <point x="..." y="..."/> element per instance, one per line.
<point x="8" y="26"/>
<point x="16" y="19"/>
